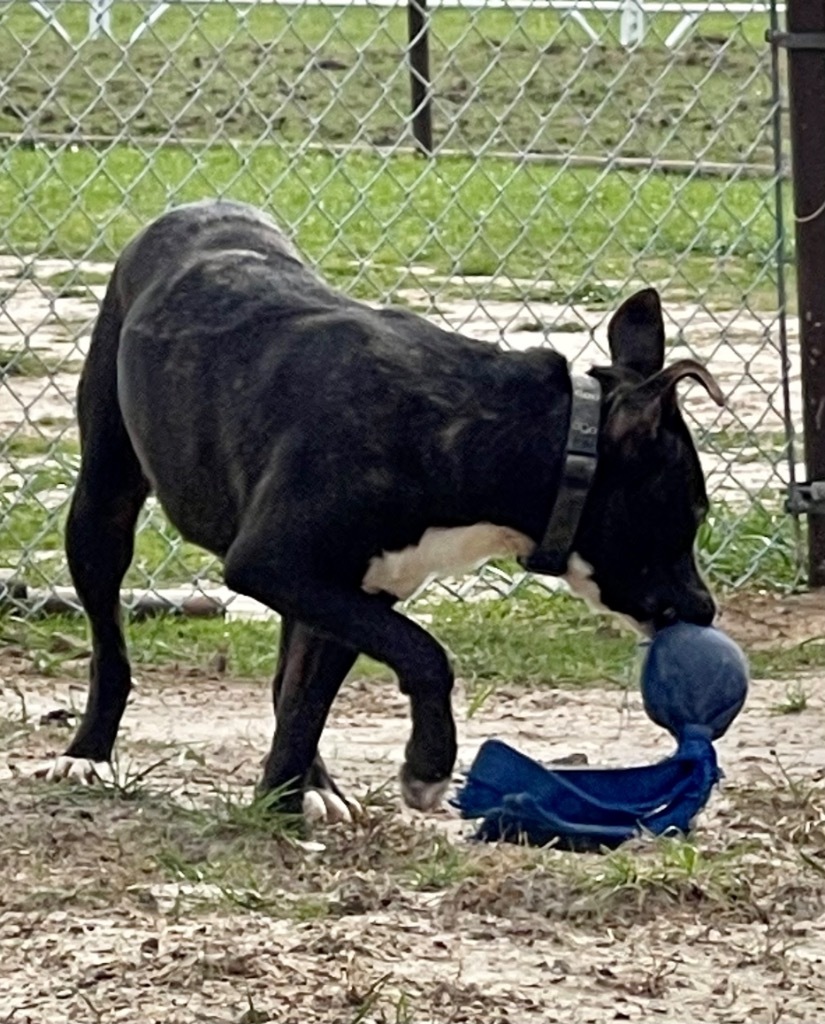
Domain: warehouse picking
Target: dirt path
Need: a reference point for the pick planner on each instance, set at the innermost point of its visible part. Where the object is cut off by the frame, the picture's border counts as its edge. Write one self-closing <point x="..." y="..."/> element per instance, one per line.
<point x="739" y="346"/>
<point x="122" y="909"/>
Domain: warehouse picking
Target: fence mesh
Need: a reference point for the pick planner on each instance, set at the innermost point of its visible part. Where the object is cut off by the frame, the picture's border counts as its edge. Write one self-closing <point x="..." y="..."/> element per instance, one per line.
<point x="581" y="150"/>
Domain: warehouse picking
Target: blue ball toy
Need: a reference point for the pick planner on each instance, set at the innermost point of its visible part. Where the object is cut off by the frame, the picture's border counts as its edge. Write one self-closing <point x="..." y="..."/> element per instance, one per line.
<point x="694" y="683"/>
<point x="694" y="676"/>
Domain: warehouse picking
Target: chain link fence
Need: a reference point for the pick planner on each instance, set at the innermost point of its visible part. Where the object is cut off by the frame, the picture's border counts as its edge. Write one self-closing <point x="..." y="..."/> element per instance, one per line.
<point x="580" y="150"/>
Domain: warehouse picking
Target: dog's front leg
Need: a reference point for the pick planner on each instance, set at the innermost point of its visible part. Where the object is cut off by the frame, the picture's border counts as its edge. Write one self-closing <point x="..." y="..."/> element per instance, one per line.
<point x="362" y="623"/>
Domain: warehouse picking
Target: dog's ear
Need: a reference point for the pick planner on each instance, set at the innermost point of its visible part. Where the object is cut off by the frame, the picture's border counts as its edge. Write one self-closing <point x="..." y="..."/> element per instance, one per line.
<point x="640" y="412"/>
<point x="636" y="333"/>
<point x="664" y="383"/>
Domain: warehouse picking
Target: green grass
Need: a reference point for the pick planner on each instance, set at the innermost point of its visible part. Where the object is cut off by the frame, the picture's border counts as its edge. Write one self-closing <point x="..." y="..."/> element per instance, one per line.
<point x="24" y="362"/>
<point x="787" y="663"/>
<point x="524" y="80"/>
<point x="760" y="546"/>
<point x="262" y="79"/>
<point x="224" y="857"/>
<point x="78" y="277"/>
<point x="160" y="559"/>
<point x="364" y="220"/>
<point x="677" y="868"/>
<point x="75" y="283"/>
<point x="28" y="445"/>
<point x="539" y="231"/>
<point x="442" y="866"/>
<point x="738" y="439"/>
<point x="795" y="702"/>
<point x="532" y="638"/>
<point x="168" y="854"/>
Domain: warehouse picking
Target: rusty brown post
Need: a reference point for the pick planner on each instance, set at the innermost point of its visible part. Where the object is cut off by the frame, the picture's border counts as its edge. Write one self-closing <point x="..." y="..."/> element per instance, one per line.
<point x="419" y="37"/>
<point x="804" y="42"/>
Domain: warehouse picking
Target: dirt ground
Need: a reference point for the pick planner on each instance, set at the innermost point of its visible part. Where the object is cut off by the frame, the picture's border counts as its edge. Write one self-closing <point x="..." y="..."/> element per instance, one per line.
<point x="164" y="900"/>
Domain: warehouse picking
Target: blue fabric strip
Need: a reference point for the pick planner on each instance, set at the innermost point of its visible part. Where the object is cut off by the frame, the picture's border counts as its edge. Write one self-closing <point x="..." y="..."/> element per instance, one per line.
<point x="587" y="808"/>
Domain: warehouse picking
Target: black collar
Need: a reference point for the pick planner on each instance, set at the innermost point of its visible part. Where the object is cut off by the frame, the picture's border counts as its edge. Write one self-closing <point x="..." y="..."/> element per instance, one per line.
<point x="581" y="453"/>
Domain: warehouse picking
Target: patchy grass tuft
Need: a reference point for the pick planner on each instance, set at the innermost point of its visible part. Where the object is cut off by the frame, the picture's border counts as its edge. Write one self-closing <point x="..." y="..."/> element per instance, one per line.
<point x="796" y="700"/>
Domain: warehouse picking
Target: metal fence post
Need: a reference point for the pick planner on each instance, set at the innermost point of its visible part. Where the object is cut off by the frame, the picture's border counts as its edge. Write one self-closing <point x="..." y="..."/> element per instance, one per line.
<point x="419" y="36"/>
<point x="805" y="43"/>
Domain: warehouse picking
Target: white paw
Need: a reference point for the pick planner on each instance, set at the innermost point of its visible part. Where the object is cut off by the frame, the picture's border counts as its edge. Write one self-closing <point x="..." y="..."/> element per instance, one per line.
<point x="423" y="796"/>
<point x="322" y="805"/>
<point x="309" y="845"/>
<point x="74" y="769"/>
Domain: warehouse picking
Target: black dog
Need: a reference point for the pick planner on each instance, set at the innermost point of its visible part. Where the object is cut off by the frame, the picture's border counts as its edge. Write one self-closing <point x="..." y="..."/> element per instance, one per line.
<point x="300" y="436"/>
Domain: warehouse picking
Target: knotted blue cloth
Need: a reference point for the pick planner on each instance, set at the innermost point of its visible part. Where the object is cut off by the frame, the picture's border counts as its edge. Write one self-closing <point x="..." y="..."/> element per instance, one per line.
<point x="694" y="683"/>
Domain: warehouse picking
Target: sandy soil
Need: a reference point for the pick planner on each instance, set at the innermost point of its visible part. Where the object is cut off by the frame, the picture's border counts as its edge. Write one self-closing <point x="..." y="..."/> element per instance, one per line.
<point x="739" y="346"/>
<point x="96" y="926"/>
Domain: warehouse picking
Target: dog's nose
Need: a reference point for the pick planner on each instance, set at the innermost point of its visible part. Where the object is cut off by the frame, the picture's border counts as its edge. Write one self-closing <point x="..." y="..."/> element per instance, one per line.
<point x="665" y="618"/>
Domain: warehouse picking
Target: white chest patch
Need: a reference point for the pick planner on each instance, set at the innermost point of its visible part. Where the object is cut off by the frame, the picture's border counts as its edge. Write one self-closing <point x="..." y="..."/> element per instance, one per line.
<point x="442" y="552"/>
<point x="456" y="551"/>
<point x="579" y="578"/>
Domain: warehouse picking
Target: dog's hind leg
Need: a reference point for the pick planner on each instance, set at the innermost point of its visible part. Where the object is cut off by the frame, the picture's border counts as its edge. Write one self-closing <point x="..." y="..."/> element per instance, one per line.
<point x="308" y="663"/>
<point x="278" y="576"/>
<point x="108" y="496"/>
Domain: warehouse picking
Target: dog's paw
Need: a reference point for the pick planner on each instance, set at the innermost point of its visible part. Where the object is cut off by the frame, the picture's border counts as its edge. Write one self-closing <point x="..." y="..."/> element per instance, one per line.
<point x="74" y="769"/>
<point x="322" y="805"/>
<point x="422" y="796"/>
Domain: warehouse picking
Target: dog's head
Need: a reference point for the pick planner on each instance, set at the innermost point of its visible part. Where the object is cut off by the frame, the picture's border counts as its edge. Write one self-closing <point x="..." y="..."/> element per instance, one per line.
<point x="648" y="498"/>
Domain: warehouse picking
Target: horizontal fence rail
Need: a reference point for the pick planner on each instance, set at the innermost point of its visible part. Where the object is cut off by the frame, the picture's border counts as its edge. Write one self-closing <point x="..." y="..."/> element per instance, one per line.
<point x="635" y="12"/>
